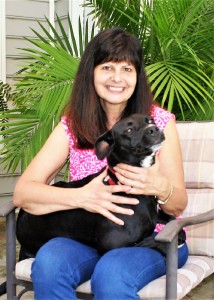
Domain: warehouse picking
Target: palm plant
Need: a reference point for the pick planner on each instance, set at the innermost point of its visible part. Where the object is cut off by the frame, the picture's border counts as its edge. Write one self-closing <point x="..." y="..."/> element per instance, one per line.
<point x="6" y="95"/>
<point x="44" y="88"/>
<point x="178" y="41"/>
<point x="177" y="37"/>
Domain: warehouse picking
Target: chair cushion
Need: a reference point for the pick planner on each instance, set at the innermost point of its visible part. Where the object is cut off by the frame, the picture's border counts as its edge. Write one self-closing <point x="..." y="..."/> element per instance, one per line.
<point x="200" y="237"/>
<point x="23" y="269"/>
<point x="197" y="144"/>
<point x="193" y="272"/>
<point x="189" y="276"/>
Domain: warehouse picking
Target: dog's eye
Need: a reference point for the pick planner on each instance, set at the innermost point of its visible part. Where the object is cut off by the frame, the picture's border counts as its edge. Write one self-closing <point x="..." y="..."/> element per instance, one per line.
<point x="150" y="120"/>
<point x="129" y="130"/>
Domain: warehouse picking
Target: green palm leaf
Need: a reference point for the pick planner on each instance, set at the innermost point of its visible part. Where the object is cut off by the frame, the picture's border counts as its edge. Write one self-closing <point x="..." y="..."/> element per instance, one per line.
<point x="45" y="85"/>
<point x="178" y="41"/>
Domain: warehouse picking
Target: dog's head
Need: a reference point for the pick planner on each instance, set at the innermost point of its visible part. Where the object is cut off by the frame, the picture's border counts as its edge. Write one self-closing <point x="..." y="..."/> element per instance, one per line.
<point x="133" y="140"/>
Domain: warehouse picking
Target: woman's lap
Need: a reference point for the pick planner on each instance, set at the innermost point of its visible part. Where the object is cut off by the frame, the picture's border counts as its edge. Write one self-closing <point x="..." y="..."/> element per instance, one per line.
<point x="62" y="264"/>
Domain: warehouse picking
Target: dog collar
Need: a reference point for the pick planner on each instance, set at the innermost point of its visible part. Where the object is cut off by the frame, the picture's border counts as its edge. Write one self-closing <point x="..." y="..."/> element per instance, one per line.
<point x="110" y="179"/>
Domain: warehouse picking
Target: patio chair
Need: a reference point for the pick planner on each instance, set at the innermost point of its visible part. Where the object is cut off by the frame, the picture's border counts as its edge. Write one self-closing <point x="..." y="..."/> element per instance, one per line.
<point x="197" y="141"/>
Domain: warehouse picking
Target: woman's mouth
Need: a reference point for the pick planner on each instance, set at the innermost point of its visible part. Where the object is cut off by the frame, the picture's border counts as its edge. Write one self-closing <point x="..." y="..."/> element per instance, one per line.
<point x="115" y="89"/>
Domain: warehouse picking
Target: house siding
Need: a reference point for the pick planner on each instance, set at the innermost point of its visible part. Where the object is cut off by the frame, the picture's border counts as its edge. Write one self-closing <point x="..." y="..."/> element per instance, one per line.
<point x="20" y="16"/>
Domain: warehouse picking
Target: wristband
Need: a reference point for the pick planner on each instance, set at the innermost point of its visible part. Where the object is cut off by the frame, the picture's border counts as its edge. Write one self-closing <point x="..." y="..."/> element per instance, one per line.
<point x="169" y="196"/>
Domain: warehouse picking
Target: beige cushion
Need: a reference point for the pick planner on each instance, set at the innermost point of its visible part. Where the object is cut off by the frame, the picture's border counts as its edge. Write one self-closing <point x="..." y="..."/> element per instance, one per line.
<point x="197" y="143"/>
<point x="23" y="269"/>
<point x="193" y="272"/>
<point x="200" y="237"/>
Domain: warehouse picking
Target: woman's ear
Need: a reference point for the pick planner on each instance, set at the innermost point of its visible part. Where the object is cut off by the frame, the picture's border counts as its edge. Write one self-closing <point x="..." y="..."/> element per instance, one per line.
<point x="104" y="145"/>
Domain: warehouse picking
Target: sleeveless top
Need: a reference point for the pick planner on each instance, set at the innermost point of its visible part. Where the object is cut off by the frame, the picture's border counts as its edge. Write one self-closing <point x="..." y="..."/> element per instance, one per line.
<point x="84" y="162"/>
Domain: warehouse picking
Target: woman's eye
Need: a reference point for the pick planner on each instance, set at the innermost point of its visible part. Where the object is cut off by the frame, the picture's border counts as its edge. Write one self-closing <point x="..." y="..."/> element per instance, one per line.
<point x="127" y="69"/>
<point x="106" y="68"/>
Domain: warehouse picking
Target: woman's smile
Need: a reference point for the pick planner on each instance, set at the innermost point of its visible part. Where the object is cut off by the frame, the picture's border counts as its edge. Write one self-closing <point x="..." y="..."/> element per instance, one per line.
<point x="115" y="82"/>
<point x="115" y="89"/>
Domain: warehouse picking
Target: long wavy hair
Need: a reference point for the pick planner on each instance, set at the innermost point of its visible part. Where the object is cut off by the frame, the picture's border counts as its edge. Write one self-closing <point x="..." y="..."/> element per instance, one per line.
<point x="85" y="115"/>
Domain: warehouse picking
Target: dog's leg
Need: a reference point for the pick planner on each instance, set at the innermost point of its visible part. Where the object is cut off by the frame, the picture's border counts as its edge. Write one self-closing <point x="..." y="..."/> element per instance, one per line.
<point x="150" y="242"/>
<point x="161" y="247"/>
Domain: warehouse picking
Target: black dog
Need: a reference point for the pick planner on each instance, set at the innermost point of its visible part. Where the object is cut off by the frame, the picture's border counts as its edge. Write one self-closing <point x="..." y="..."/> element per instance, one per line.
<point x="134" y="141"/>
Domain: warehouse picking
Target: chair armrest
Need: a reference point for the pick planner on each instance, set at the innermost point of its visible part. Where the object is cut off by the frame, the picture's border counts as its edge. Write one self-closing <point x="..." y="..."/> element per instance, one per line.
<point x="169" y="235"/>
<point x="7" y="210"/>
<point x="172" y="228"/>
<point x="6" y="207"/>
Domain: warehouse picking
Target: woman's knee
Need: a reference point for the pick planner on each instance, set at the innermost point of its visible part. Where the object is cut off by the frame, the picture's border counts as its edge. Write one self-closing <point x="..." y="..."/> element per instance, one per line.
<point x="62" y="257"/>
<point x="111" y="280"/>
<point x="48" y="263"/>
<point x="121" y="273"/>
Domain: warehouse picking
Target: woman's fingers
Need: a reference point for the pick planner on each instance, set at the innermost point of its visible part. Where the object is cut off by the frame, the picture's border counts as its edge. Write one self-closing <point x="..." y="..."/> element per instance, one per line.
<point x="111" y="217"/>
<point x="104" y="199"/>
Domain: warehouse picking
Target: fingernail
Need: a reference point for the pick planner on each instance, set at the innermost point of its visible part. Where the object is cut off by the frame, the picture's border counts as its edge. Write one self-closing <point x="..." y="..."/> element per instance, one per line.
<point x="131" y="212"/>
<point x="106" y="178"/>
<point x="120" y="222"/>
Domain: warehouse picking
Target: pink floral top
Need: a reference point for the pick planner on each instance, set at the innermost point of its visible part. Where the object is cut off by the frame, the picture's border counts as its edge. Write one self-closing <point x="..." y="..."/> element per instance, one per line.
<point x="84" y="162"/>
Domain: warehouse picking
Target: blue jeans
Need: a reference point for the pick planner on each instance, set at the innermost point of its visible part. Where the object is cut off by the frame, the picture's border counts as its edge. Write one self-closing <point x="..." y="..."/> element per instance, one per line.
<point x="62" y="264"/>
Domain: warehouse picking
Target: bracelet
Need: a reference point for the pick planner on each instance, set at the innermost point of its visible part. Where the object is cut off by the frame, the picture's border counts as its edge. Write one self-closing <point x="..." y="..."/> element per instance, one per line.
<point x="169" y="196"/>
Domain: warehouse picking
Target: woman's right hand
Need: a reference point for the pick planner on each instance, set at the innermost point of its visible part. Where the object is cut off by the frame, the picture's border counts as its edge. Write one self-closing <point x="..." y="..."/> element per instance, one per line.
<point x="99" y="198"/>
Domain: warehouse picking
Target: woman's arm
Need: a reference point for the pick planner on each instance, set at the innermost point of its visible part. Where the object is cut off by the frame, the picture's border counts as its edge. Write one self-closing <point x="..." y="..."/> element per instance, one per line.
<point x="34" y="194"/>
<point x="32" y="191"/>
<point x="156" y="180"/>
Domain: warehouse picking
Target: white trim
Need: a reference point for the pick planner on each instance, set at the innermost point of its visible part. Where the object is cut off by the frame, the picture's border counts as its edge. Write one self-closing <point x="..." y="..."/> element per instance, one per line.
<point x="69" y="13"/>
<point x="2" y="41"/>
<point x="51" y="15"/>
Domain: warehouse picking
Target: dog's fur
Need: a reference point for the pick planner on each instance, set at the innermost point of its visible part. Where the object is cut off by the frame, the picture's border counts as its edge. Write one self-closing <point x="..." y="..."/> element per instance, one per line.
<point x="134" y="141"/>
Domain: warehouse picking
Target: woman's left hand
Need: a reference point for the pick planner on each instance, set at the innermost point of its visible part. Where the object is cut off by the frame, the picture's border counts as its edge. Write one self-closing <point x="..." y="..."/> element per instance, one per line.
<point x="146" y="181"/>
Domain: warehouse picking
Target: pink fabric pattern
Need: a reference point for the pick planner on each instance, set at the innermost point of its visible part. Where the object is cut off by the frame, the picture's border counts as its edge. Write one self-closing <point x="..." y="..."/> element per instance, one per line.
<point x="161" y="116"/>
<point x="85" y="162"/>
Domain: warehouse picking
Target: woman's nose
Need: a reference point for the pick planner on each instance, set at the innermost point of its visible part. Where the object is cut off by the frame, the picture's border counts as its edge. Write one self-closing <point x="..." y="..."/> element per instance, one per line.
<point x="116" y="77"/>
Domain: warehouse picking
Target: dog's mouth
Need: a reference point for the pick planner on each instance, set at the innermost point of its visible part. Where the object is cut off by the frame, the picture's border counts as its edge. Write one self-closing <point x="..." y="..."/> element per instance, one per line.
<point x="142" y="150"/>
<point x="156" y="148"/>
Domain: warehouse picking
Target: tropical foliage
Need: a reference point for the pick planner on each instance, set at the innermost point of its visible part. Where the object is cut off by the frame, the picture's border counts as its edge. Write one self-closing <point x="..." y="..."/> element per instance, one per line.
<point x="42" y="92"/>
<point x="178" y="41"/>
<point x="6" y="95"/>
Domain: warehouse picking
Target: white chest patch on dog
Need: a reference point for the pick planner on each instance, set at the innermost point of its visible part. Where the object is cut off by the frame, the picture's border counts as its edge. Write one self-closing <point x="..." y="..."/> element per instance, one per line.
<point x="147" y="161"/>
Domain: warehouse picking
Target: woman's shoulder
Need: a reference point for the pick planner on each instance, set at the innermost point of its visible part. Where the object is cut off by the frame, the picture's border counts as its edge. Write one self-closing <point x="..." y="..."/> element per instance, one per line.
<point x="67" y="129"/>
<point x="161" y="116"/>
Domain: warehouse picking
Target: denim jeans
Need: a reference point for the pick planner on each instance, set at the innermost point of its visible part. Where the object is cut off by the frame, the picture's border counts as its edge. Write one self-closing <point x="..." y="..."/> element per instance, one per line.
<point x="62" y="264"/>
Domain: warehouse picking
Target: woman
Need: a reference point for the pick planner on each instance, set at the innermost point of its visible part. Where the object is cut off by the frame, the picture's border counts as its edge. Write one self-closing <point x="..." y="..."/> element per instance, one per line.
<point x="110" y="84"/>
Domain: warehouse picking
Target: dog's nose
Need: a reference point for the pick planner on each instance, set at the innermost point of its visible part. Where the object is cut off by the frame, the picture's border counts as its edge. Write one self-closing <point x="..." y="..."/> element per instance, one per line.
<point x="152" y="130"/>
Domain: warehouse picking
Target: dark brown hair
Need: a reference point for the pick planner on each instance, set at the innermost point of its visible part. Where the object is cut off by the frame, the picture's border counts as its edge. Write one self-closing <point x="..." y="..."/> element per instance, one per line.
<point x="84" y="112"/>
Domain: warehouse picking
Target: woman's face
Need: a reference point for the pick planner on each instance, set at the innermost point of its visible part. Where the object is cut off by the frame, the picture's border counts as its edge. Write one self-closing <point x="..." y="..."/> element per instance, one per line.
<point x="115" y="83"/>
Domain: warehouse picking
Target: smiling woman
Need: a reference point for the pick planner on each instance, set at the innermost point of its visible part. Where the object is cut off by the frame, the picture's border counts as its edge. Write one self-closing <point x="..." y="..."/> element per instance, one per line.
<point x="115" y="83"/>
<point x="110" y="84"/>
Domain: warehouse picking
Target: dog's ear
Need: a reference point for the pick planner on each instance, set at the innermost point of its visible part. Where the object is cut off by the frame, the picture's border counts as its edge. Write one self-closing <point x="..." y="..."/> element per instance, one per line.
<point x="104" y="145"/>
